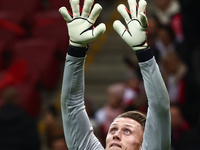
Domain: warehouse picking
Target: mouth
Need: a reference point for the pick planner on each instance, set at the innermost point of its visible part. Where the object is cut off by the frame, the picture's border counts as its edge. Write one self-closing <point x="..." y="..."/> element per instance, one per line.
<point x="115" y="145"/>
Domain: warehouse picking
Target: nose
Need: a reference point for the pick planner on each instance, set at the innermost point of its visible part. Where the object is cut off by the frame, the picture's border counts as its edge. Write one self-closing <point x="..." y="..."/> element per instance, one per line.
<point x="117" y="136"/>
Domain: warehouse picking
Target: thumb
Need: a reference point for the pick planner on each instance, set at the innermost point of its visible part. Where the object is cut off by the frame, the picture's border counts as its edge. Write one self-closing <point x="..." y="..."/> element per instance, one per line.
<point x="94" y="33"/>
<point x="99" y="30"/>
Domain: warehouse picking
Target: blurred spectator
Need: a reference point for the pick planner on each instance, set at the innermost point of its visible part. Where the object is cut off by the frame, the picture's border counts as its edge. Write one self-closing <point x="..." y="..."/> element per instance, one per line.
<point x="185" y="41"/>
<point x="91" y="112"/>
<point x="53" y="128"/>
<point x="179" y="127"/>
<point x="105" y="115"/>
<point x="134" y="97"/>
<point x="58" y="143"/>
<point x="182" y="137"/>
<point x="174" y="71"/>
<point x="165" y="9"/>
<point x="152" y="35"/>
<point x="190" y="54"/>
<point x="165" y="41"/>
<point x="17" y="130"/>
<point x="89" y="108"/>
<point x="168" y="12"/>
<point x="132" y="89"/>
<point x="176" y="24"/>
<point x="132" y="64"/>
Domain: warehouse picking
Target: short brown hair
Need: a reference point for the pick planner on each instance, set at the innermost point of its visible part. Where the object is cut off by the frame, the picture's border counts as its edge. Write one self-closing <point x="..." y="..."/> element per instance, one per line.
<point x="135" y="115"/>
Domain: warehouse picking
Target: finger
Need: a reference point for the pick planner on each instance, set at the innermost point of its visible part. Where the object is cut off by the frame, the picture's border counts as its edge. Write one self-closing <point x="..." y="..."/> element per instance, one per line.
<point x="86" y="8"/>
<point x="75" y="8"/>
<point x="95" y="32"/>
<point x="63" y="11"/>
<point x="142" y="6"/>
<point x="95" y="13"/>
<point x="99" y="30"/>
<point x="133" y="7"/>
<point x="123" y="11"/>
<point x="119" y="27"/>
<point x="143" y="19"/>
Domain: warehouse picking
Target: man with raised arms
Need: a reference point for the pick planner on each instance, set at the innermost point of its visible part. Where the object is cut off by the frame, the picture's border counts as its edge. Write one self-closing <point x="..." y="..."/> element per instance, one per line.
<point x="131" y="130"/>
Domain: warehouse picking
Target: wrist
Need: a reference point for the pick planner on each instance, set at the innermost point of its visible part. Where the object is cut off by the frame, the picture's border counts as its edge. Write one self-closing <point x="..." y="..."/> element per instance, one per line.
<point x="144" y="55"/>
<point x="77" y="51"/>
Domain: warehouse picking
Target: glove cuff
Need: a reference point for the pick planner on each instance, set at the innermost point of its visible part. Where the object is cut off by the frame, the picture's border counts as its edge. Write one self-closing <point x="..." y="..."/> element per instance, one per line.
<point x="77" y="51"/>
<point x="144" y="55"/>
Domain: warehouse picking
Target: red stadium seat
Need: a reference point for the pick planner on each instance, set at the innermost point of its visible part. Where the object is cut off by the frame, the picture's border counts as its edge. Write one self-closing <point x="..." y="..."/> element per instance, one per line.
<point x="56" y="4"/>
<point x="51" y="25"/>
<point x="2" y="50"/>
<point x="16" y="74"/>
<point x="11" y="26"/>
<point x="22" y="6"/>
<point x="43" y="67"/>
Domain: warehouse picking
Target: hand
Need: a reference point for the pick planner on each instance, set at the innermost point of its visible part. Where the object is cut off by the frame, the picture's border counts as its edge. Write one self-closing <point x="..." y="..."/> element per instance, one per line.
<point x="136" y="21"/>
<point x="79" y="25"/>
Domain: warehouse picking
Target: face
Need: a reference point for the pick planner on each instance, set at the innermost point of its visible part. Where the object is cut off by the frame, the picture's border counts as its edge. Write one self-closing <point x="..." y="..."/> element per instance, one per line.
<point x="114" y="100"/>
<point x="153" y="27"/>
<point x="59" y="144"/>
<point x="124" y="134"/>
<point x="176" y="117"/>
<point x="162" y="4"/>
<point x="133" y="83"/>
<point x="164" y="36"/>
<point x="172" y="63"/>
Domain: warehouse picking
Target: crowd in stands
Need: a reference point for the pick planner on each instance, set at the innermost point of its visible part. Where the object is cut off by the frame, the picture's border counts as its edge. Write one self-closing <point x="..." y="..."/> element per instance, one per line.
<point x="33" y="43"/>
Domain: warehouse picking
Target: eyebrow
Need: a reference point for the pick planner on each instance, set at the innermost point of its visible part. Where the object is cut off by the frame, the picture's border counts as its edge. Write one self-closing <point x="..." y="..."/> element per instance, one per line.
<point x="126" y="125"/>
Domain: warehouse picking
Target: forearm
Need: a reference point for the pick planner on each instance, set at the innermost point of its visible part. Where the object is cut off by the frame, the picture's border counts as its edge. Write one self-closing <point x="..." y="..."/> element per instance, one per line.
<point x="157" y="129"/>
<point x="73" y="78"/>
<point x="72" y="95"/>
<point x="154" y="85"/>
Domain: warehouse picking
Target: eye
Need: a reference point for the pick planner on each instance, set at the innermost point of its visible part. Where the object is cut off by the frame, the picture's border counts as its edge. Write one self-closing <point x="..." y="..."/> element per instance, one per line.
<point x="127" y="131"/>
<point x="113" y="130"/>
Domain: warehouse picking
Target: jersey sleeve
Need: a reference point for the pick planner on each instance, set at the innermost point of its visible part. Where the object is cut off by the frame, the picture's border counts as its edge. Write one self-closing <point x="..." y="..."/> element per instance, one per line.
<point x="157" y="135"/>
<point x="77" y="128"/>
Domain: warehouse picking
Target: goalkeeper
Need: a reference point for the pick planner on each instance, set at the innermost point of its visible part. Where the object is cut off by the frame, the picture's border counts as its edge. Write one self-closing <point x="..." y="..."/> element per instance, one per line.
<point x="131" y="130"/>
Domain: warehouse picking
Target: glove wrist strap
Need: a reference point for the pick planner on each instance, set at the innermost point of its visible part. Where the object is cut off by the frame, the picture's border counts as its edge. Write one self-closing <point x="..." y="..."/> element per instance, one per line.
<point x="144" y="55"/>
<point x="77" y="51"/>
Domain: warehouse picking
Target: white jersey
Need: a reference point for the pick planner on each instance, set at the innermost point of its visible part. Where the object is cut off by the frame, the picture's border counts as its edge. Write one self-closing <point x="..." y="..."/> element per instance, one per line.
<point x="77" y="128"/>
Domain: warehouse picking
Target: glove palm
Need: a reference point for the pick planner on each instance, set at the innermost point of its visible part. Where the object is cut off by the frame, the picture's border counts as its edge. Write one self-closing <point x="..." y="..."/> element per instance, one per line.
<point x="135" y="35"/>
<point x="79" y="26"/>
